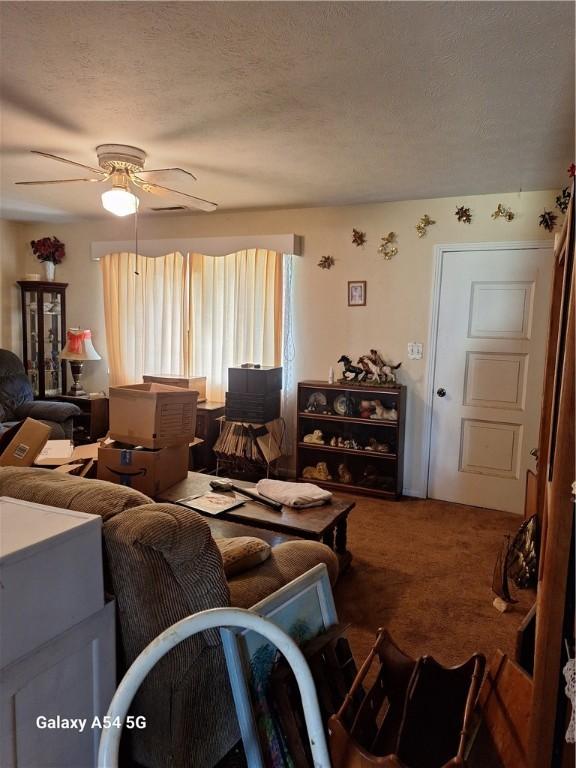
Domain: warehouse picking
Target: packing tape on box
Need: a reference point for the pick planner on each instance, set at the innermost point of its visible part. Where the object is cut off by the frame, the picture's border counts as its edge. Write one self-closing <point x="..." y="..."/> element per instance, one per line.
<point x="125" y="478"/>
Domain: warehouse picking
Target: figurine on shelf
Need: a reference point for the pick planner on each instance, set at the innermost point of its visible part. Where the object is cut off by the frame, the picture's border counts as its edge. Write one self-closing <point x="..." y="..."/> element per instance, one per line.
<point x="319" y="472"/>
<point x="366" y="409"/>
<point x="382" y="413"/>
<point x="376" y="369"/>
<point x="374" y="445"/>
<point x="334" y="441"/>
<point x="344" y="474"/>
<point x="389" y="375"/>
<point x="317" y="403"/>
<point x="314" y="437"/>
<point x="351" y="372"/>
<point x="371" y="479"/>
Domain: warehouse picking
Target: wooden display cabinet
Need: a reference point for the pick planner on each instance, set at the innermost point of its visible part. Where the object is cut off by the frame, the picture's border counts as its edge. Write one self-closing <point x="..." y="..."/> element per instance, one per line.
<point x="92" y="423"/>
<point x="207" y="429"/>
<point x="363" y="436"/>
<point x="44" y="335"/>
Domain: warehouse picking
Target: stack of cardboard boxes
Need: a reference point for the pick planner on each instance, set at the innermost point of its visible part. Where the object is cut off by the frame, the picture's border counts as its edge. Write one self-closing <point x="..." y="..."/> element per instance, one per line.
<point x="152" y="426"/>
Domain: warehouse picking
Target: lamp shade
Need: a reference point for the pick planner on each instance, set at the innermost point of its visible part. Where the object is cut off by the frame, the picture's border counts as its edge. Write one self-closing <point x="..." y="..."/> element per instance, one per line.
<point x="79" y="346"/>
<point x="120" y="202"/>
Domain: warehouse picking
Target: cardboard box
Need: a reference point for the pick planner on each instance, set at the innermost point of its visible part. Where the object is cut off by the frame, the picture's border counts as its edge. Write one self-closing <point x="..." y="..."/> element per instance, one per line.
<point x="147" y="471"/>
<point x="20" y="445"/>
<point x="79" y="453"/>
<point x="152" y="415"/>
<point x="196" y="383"/>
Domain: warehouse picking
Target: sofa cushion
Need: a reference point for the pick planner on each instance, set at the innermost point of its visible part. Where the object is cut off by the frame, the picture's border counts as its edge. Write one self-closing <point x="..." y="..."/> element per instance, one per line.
<point x="286" y="562"/>
<point x="242" y="553"/>
<point x="44" y="486"/>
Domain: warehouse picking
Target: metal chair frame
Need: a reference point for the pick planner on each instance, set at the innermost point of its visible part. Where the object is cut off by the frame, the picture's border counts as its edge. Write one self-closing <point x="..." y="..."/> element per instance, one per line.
<point x="200" y="622"/>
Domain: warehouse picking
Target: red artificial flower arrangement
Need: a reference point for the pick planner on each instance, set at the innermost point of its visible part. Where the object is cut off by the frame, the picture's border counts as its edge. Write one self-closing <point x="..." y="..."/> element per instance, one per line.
<point x="48" y="249"/>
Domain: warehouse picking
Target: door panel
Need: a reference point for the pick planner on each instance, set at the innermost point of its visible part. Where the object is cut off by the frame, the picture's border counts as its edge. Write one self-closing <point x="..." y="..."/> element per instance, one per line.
<point x="492" y="325"/>
<point x="495" y="380"/>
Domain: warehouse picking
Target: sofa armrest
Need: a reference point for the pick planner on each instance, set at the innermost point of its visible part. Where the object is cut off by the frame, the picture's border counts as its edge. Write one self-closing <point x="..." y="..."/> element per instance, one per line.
<point x="47" y="409"/>
<point x="286" y="562"/>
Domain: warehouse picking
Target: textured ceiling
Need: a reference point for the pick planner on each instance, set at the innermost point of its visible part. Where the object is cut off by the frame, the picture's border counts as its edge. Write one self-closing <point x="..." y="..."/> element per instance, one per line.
<point x="282" y="104"/>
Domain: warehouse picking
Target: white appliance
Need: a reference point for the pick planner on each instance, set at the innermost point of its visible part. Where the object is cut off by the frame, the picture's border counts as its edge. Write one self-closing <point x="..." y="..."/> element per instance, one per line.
<point x="57" y="646"/>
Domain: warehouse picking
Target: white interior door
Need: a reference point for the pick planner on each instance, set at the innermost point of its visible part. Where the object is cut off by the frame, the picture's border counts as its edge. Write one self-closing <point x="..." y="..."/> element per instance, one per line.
<point x="490" y="350"/>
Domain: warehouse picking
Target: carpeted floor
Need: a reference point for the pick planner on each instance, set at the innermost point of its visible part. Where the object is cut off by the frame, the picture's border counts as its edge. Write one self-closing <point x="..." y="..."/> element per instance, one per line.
<point x="423" y="569"/>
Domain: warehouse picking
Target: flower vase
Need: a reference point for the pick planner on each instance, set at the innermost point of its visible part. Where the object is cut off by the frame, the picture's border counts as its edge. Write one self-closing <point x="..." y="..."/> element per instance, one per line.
<point x="50" y="269"/>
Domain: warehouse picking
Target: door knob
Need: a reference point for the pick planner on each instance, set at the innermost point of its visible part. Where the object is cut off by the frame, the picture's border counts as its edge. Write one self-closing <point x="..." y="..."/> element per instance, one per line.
<point x="441" y="392"/>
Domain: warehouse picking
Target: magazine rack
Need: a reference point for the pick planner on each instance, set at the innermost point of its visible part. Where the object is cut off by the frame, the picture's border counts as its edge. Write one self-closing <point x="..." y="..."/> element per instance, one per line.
<point x="416" y="714"/>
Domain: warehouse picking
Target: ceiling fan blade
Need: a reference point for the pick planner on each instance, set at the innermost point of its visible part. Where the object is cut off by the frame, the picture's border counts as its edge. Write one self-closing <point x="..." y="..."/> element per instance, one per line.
<point x="195" y="202"/>
<point x="70" y="162"/>
<point x="168" y="170"/>
<point x="58" y="181"/>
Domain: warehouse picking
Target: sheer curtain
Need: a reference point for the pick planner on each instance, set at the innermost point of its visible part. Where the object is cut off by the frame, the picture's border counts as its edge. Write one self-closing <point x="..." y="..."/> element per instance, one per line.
<point x="235" y="313"/>
<point x="192" y="315"/>
<point x="145" y="310"/>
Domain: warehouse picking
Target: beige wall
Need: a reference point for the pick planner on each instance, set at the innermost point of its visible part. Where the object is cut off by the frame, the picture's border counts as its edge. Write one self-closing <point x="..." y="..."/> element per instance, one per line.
<point x="10" y="259"/>
<point x="398" y="294"/>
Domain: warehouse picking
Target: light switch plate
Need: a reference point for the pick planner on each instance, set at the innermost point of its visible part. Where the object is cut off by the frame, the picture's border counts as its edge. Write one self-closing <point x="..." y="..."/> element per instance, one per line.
<point x="414" y="350"/>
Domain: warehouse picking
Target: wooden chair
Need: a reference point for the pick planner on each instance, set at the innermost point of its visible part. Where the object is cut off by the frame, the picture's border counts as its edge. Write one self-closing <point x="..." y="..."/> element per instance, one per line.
<point x="416" y="714"/>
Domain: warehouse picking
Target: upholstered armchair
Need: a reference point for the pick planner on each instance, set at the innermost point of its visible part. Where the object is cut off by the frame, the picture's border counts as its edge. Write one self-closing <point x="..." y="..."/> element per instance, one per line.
<point x="17" y="400"/>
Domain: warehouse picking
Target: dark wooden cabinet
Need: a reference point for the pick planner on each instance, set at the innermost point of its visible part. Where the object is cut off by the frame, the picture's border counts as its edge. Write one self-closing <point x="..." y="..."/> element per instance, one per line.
<point x="92" y="423"/>
<point x="44" y="336"/>
<point x="351" y="437"/>
<point x="207" y="429"/>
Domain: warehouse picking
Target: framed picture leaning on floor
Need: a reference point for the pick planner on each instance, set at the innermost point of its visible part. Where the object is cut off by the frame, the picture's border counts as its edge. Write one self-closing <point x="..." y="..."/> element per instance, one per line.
<point x="304" y="608"/>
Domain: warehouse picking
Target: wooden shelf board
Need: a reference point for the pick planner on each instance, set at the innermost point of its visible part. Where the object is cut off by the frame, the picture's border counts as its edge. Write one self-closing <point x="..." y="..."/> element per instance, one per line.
<point x="350" y="488"/>
<point x="382" y="389"/>
<point x="352" y="451"/>
<point x="347" y="419"/>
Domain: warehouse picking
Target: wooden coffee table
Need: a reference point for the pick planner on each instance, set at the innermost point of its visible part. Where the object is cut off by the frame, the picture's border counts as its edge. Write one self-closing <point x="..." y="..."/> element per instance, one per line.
<point x="326" y="523"/>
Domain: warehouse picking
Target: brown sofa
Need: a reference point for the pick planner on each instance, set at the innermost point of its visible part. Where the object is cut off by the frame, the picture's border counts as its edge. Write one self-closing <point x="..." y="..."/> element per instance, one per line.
<point x="162" y="564"/>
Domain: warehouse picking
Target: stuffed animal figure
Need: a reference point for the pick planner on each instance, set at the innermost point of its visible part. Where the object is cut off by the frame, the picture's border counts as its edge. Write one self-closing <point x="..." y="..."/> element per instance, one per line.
<point x="344" y="474"/>
<point x="319" y="472"/>
<point x="382" y="413"/>
<point x="314" y="437"/>
<point x="374" y="445"/>
<point x="366" y="408"/>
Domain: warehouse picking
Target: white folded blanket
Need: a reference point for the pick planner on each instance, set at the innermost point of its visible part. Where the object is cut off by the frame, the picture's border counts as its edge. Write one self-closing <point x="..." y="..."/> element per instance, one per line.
<point x="298" y="495"/>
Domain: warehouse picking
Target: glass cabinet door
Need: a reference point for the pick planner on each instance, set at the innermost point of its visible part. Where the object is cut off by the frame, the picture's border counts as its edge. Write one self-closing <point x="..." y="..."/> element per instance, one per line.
<point x="44" y="328"/>
<point x="31" y="340"/>
<point x="52" y="325"/>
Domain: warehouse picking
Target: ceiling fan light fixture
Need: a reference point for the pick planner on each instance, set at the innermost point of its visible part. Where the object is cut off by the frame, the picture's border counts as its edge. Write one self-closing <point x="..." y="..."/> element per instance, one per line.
<point x="120" y="202"/>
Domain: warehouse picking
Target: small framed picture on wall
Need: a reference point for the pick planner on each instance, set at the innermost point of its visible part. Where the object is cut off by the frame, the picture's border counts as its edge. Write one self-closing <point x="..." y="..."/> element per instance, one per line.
<point x="357" y="293"/>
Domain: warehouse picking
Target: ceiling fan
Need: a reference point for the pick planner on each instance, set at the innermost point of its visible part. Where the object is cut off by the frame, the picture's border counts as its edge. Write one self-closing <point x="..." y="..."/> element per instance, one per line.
<point x="123" y="166"/>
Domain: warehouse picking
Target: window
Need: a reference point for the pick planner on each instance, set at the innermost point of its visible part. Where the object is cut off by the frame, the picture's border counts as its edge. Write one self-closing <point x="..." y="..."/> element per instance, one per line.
<point x="192" y="315"/>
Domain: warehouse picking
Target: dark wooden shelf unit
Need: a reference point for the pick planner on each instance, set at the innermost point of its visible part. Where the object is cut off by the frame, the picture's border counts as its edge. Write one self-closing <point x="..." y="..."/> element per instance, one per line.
<point x="375" y="473"/>
<point x="208" y="429"/>
<point x="92" y="423"/>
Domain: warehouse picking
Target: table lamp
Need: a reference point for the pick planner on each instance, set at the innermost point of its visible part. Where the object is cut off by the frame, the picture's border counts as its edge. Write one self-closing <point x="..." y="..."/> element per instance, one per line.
<point x="78" y="348"/>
